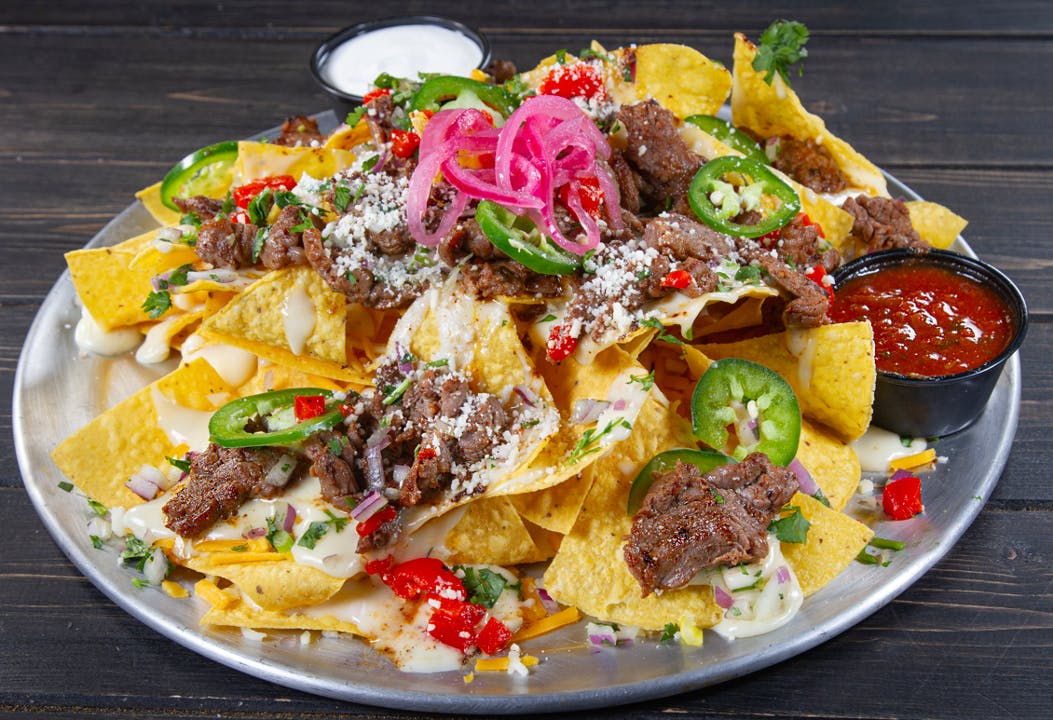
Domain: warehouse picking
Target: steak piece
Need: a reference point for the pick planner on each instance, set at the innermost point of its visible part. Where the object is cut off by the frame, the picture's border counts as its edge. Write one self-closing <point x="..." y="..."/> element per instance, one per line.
<point x="809" y="163"/>
<point x="226" y="244"/>
<point x="882" y="223"/>
<point x="204" y="208"/>
<point x="299" y="131"/>
<point x="662" y="160"/>
<point x="221" y="480"/>
<point x="690" y="521"/>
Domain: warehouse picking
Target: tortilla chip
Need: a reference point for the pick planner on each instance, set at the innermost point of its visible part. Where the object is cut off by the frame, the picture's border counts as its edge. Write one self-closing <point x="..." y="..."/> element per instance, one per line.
<point x="770" y="110"/>
<point x="259" y="160"/>
<point x="821" y="364"/>
<point x="280" y="584"/>
<point x="936" y="225"/>
<point x="681" y="79"/>
<point x="346" y="137"/>
<point x="556" y="508"/>
<point x="490" y="532"/>
<point x="834" y="540"/>
<point x="243" y="615"/>
<point x="272" y="376"/>
<point x="589" y="571"/>
<point x="101" y="456"/>
<point x="150" y="197"/>
<point x="255" y="320"/>
<point x="833" y="465"/>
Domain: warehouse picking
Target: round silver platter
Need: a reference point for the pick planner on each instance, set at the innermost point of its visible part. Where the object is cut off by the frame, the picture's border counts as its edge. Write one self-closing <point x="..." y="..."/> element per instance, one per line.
<point x="58" y="389"/>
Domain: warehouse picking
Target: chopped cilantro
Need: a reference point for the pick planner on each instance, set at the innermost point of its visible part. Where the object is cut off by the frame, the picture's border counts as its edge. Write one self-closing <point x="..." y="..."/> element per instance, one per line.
<point x="315" y="532"/>
<point x="529" y="424"/>
<point x="484" y="586"/>
<point x="441" y="362"/>
<point x="561" y="56"/>
<point x="140" y="583"/>
<point x="717" y="496"/>
<point x="662" y="334"/>
<point x="260" y="206"/>
<point x="370" y="163"/>
<point x="99" y="509"/>
<point x="280" y="540"/>
<point x="548" y="318"/>
<point x="646" y="381"/>
<point x="135" y="552"/>
<point x="65" y="486"/>
<point x="589" y="53"/>
<point x="96" y="542"/>
<point x="394" y="394"/>
<point x="258" y="242"/>
<point x="355" y="115"/>
<point x="669" y="632"/>
<point x="342" y="197"/>
<point x="183" y="465"/>
<point x="338" y="523"/>
<point x="821" y="497"/>
<point x="239" y="548"/>
<point x="350" y="277"/>
<point x="336" y="444"/>
<point x="792" y="528"/>
<point x="748" y="273"/>
<point x="157" y="304"/>
<point x="781" y="46"/>
<point x="589" y="442"/>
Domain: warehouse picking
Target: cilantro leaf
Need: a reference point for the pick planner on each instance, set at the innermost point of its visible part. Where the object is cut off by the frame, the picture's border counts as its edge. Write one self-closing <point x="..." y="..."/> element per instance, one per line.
<point x="157" y="304"/>
<point x="662" y="334"/>
<point x="258" y="242"/>
<point x="260" y="206"/>
<point x="135" y="552"/>
<point x="484" y="586"/>
<point x="279" y="539"/>
<point x="646" y="381"/>
<point x="669" y="632"/>
<point x="65" y="486"/>
<point x="341" y="197"/>
<point x="781" y="46"/>
<point x="315" y="532"/>
<point x="792" y="528"/>
<point x="183" y="465"/>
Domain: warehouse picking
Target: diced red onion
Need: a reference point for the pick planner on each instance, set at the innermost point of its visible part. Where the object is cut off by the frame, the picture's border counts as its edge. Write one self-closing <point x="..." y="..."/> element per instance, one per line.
<point x="723" y="597"/>
<point x="404" y="366"/>
<point x="529" y="396"/>
<point x="382" y="160"/>
<point x="290" y="518"/>
<point x="605" y="639"/>
<point x="373" y="459"/>
<point x="370" y="504"/>
<point x="587" y="410"/>
<point x="782" y="575"/>
<point x="280" y="471"/>
<point x="631" y="67"/>
<point x="804" y="478"/>
<point x="254" y="533"/>
<point x="142" y="487"/>
<point x="899" y="475"/>
<point x="620" y="405"/>
<point x="156" y="567"/>
<point x="550" y="605"/>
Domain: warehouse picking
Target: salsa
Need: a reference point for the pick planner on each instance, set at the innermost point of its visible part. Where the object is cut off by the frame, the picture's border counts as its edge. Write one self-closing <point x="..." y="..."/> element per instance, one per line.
<point x="928" y="321"/>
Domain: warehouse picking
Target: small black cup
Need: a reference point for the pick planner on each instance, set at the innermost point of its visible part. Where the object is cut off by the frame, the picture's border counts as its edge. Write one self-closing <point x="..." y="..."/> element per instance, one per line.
<point x="937" y="406"/>
<point x="345" y="102"/>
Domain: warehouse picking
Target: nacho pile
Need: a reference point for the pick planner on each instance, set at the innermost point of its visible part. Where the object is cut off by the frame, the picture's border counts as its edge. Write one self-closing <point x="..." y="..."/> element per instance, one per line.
<point x="392" y="398"/>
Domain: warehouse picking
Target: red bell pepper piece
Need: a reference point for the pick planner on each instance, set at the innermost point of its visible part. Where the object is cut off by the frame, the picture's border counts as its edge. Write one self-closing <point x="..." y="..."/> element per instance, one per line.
<point x="419" y="576"/>
<point x="306" y="407"/>
<point x="816" y="275"/>
<point x="454" y="621"/>
<point x="678" y="279"/>
<point x="380" y="566"/>
<point x="374" y="521"/>
<point x="902" y="498"/>
<point x="493" y="637"/>
<point x="404" y="143"/>
<point x="374" y="94"/>
<point x="243" y="194"/>
<point x="574" y="80"/>
<point x="589" y="194"/>
<point x="560" y="343"/>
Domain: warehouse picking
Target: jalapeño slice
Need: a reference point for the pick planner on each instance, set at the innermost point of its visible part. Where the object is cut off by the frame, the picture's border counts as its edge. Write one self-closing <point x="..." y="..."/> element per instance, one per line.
<point x="704" y="460"/>
<point x="730" y="135"/>
<point x="439" y="91"/>
<point x="717" y="200"/>
<point x="740" y="407"/>
<point x="229" y="425"/>
<point x="520" y="239"/>
<point x="209" y="172"/>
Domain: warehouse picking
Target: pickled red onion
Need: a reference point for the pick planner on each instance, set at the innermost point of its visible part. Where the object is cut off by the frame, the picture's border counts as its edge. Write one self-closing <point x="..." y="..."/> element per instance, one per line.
<point x="548" y="142"/>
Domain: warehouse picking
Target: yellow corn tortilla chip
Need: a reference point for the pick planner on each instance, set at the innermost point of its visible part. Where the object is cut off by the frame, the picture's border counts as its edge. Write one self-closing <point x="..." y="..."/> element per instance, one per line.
<point x="272" y="376"/>
<point x="150" y="197"/>
<point x="280" y="584"/>
<point x="832" y="464"/>
<point x="555" y="508"/>
<point x="243" y="615"/>
<point x="259" y="160"/>
<point x="346" y="137"/>
<point x="936" y="225"/>
<point x="681" y="79"/>
<point x="830" y="368"/>
<point x="286" y="307"/>
<point x="101" y="456"/>
<point x="834" y="540"/>
<point x="770" y="110"/>
<point x="490" y="532"/>
<point x="589" y="571"/>
<point x="835" y="222"/>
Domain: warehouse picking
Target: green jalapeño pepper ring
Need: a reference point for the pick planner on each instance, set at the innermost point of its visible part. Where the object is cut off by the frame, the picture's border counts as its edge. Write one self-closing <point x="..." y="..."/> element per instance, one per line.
<point x="740" y="407"/>
<point x="730" y="135"/>
<point x="519" y="238"/>
<point x="708" y="190"/>
<point x="205" y="172"/>
<point x="704" y="460"/>
<point x="228" y="424"/>
<point x="462" y="92"/>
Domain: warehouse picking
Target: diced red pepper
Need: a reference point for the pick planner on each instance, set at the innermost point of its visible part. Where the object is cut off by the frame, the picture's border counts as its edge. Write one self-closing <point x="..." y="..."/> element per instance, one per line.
<point x="816" y="275"/>
<point x="241" y="217"/>
<point x="589" y="193"/>
<point x="419" y="576"/>
<point x="426" y="453"/>
<point x="574" y="80"/>
<point x="374" y="94"/>
<point x="493" y="637"/>
<point x="346" y="409"/>
<point x="454" y="621"/>
<point x="243" y="194"/>
<point x="806" y="221"/>
<point x="678" y="279"/>
<point x="374" y="521"/>
<point x="306" y="407"/>
<point x="404" y="143"/>
<point x="902" y="498"/>
<point x="380" y="566"/>
<point x="560" y="343"/>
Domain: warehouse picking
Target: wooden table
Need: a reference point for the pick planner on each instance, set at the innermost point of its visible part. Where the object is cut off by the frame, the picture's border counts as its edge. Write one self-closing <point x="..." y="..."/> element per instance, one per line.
<point x="99" y="99"/>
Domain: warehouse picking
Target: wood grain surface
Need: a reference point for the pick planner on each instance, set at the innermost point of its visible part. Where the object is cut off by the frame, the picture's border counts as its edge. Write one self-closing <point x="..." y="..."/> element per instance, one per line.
<point x="98" y="99"/>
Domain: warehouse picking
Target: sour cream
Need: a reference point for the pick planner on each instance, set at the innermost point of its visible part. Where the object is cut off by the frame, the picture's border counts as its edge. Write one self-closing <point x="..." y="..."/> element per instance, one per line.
<point x="399" y="50"/>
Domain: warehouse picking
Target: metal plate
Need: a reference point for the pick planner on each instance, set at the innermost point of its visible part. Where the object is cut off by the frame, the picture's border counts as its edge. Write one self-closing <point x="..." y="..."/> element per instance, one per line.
<point x="57" y="389"/>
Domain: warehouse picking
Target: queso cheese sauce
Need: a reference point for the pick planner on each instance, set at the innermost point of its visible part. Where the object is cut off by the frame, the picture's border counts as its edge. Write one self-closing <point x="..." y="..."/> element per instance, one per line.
<point x="928" y="321"/>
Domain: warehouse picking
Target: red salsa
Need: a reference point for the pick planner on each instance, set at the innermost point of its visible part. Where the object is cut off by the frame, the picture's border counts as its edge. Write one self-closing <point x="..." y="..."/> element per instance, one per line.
<point x="928" y="321"/>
